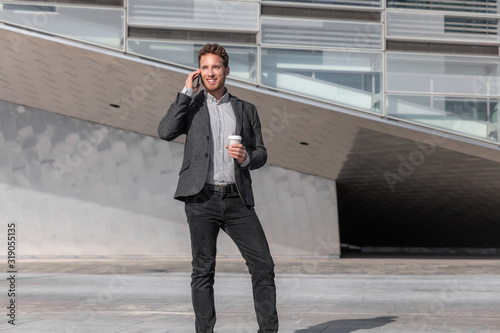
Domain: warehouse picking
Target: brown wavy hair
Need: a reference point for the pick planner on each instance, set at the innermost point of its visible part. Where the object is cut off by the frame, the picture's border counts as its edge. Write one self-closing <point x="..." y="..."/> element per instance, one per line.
<point x="214" y="49"/>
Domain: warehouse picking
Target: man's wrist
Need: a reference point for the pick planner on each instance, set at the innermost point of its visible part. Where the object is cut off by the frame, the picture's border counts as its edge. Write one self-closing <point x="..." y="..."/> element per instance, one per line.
<point x="246" y="162"/>
<point x="188" y="92"/>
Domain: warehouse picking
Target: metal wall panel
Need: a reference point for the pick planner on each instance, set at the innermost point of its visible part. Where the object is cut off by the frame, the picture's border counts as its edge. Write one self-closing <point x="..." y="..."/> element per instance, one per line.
<point x="77" y="188"/>
<point x="350" y="3"/>
<point x="321" y="33"/>
<point x="442" y="27"/>
<point x="468" y="6"/>
<point x="195" y="14"/>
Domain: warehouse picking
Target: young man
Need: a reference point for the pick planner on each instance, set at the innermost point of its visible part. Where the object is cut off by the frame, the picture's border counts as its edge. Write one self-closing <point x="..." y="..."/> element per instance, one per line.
<point x="215" y="184"/>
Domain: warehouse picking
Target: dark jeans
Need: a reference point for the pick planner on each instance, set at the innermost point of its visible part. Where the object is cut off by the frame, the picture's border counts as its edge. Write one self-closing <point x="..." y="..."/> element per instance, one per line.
<point x="207" y="213"/>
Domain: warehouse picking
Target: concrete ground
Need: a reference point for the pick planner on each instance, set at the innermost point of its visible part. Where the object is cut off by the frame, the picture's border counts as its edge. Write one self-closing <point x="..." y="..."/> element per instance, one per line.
<point x="327" y="295"/>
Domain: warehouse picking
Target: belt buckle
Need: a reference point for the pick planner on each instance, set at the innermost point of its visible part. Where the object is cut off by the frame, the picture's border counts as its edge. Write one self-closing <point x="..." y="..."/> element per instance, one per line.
<point x="222" y="188"/>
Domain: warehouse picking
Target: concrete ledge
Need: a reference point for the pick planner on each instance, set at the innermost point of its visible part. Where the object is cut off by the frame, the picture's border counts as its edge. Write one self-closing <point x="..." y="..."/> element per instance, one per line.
<point x="313" y="266"/>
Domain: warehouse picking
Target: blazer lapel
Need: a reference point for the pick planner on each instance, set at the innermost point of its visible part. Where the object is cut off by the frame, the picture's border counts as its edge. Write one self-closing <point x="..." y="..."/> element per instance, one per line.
<point x="201" y="103"/>
<point x="238" y="113"/>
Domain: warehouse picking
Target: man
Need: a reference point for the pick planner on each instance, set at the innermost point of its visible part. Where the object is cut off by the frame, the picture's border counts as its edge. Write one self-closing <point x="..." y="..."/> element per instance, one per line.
<point x="215" y="184"/>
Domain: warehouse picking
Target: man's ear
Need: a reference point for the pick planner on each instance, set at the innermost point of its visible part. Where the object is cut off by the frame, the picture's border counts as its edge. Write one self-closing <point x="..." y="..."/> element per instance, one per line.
<point x="227" y="71"/>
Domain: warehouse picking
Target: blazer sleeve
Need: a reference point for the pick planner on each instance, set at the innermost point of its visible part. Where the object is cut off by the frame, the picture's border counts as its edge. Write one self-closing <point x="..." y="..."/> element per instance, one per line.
<point x="257" y="151"/>
<point x="175" y="122"/>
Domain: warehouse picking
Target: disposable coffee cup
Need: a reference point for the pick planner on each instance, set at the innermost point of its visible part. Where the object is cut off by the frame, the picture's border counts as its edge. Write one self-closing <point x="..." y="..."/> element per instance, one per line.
<point x="233" y="139"/>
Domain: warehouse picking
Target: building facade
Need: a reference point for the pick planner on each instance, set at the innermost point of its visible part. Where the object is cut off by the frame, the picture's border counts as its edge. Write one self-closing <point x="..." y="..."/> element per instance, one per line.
<point x="404" y="94"/>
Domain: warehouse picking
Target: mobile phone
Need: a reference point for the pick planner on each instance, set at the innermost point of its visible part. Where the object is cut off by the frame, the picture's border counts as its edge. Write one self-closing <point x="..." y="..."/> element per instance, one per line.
<point x="197" y="84"/>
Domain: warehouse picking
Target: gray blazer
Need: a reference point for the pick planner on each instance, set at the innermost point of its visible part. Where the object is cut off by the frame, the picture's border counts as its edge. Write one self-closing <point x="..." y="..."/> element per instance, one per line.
<point x="190" y="116"/>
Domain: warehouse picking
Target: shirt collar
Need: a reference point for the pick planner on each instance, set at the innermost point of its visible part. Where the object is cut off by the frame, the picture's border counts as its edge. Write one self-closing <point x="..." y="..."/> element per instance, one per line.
<point x="212" y="99"/>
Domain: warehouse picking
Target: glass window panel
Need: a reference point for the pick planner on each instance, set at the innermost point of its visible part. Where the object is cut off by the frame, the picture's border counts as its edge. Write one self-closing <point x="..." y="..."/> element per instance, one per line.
<point x="471" y="26"/>
<point x="350" y="3"/>
<point x="242" y="59"/>
<point x="441" y="27"/>
<point x="468" y="6"/>
<point x="101" y="26"/>
<point x="321" y="33"/>
<point x="195" y="14"/>
<point x="440" y="74"/>
<point x="475" y="117"/>
<point x="347" y="78"/>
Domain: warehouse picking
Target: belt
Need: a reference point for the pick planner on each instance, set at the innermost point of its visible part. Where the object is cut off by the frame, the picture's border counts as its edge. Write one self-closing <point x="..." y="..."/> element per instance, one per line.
<point x="223" y="189"/>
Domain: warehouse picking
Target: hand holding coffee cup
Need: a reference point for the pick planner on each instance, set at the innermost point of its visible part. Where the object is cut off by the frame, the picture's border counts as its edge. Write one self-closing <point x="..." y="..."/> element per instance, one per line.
<point x="236" y="149"/>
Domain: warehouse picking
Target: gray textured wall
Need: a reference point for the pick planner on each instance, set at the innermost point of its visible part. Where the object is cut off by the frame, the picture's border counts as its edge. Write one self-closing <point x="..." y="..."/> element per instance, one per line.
<point x="77" y="188"/>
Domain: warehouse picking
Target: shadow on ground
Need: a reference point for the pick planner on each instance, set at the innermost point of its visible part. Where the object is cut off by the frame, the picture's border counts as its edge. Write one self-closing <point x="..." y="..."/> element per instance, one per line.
<point x="348" y="325"/>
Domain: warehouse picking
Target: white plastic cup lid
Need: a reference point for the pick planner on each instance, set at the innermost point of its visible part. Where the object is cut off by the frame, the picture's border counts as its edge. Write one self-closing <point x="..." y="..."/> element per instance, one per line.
<point x="234" y="137"/>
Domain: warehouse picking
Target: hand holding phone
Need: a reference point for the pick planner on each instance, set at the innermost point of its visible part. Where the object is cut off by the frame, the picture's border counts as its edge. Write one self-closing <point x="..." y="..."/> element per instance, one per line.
<point x="194" y="80"/>
<point x="197" y="79"/>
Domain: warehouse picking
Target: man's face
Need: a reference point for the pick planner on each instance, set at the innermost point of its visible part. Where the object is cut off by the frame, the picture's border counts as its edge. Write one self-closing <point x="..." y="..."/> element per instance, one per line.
<point x="213" y="73"/>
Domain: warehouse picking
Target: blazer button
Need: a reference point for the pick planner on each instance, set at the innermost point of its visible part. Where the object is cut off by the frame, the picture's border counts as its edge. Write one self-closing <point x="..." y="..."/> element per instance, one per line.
<point x="206" y="154"/>
<point x="208" y="138"/>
